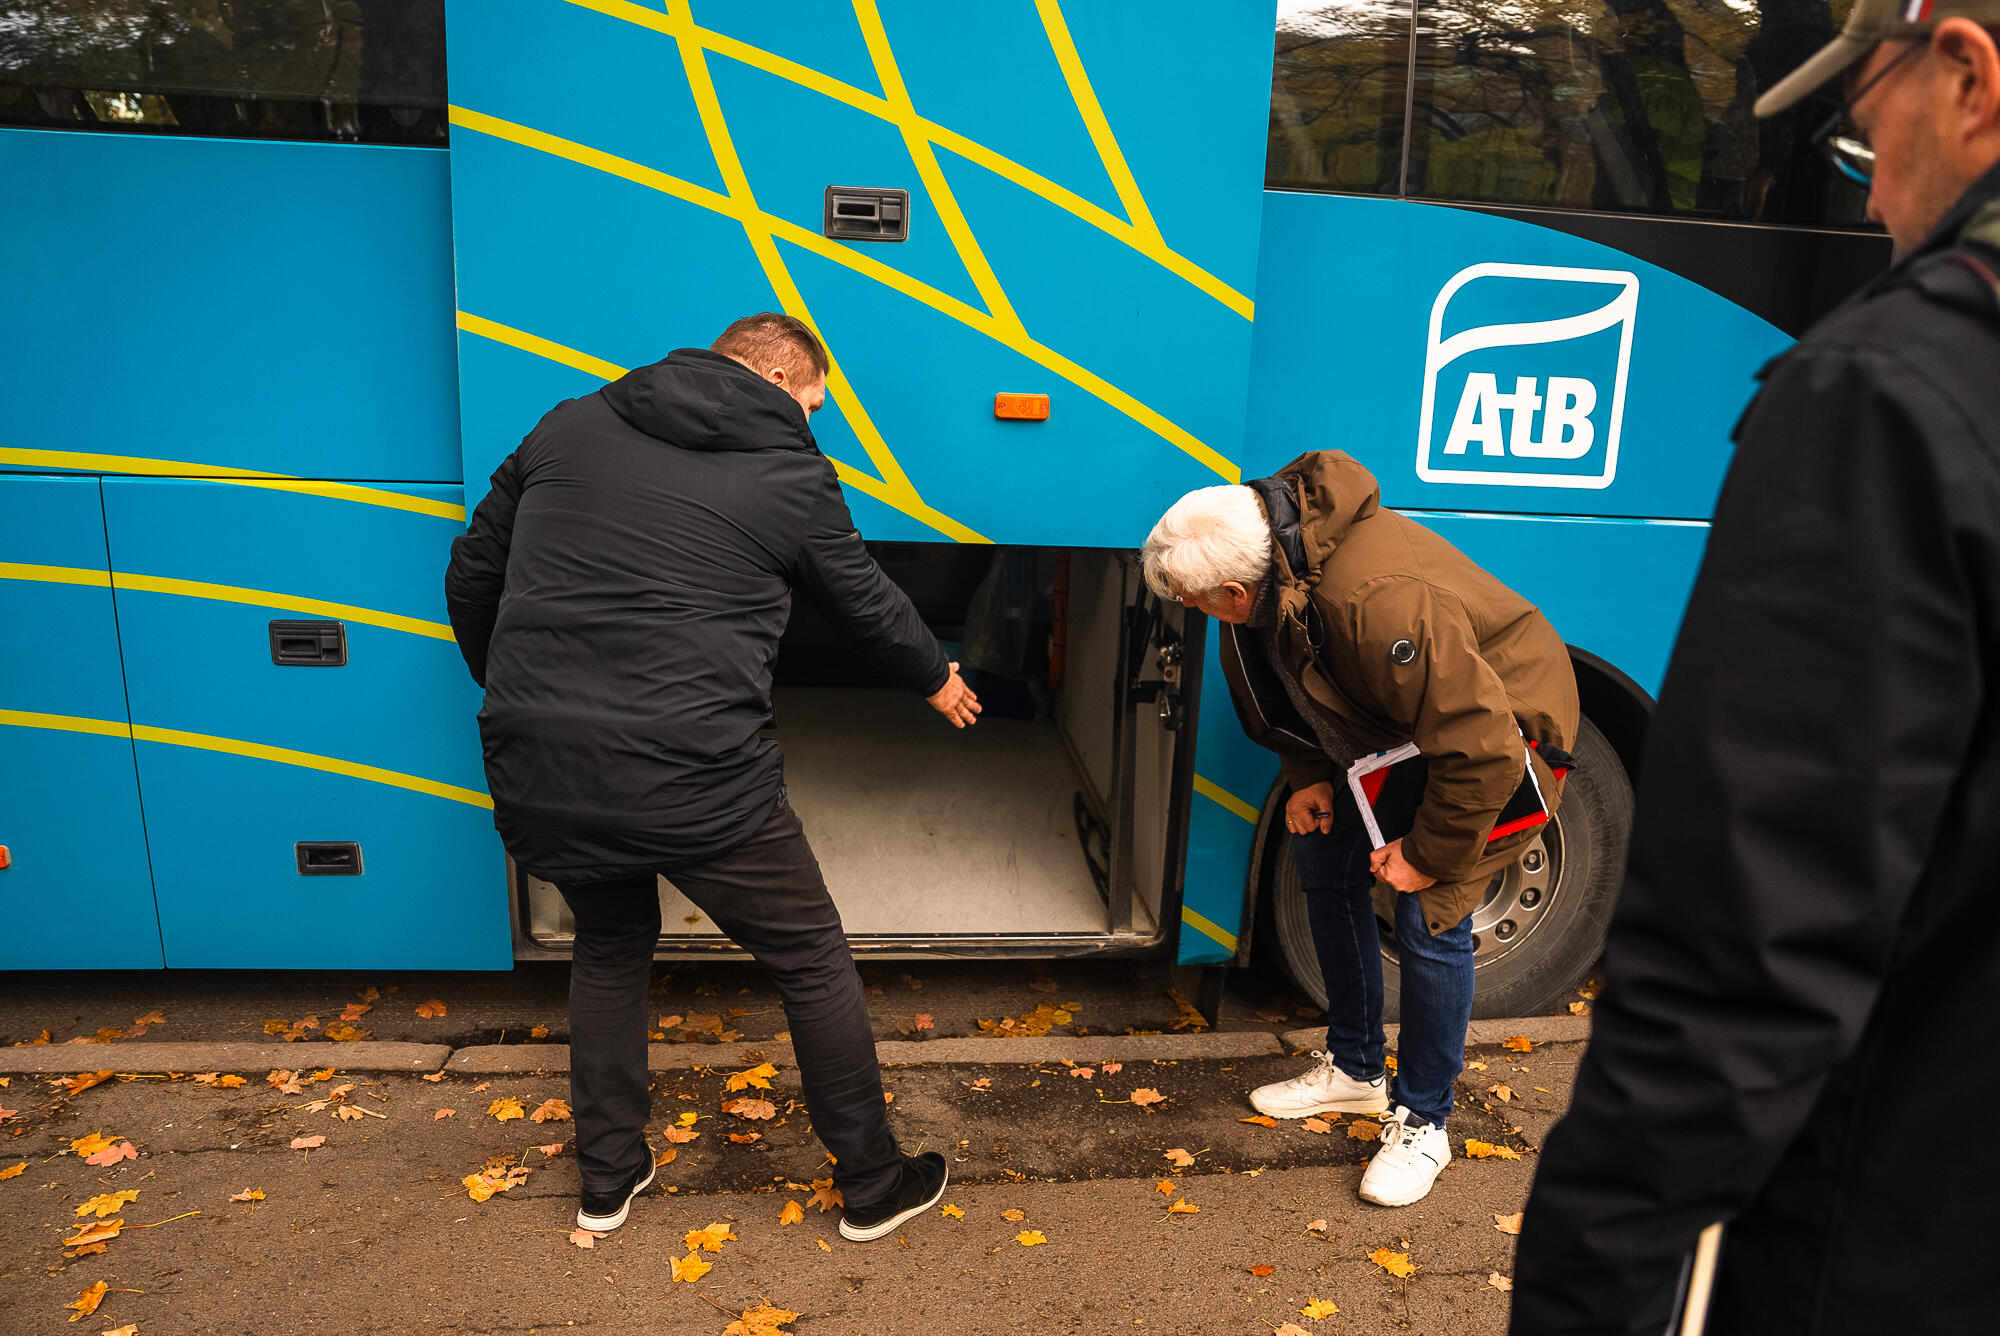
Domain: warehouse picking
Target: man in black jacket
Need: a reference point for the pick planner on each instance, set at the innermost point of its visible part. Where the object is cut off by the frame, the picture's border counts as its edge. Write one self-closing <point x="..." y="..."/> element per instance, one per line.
<point x="1805" y="965"/>
<point x="620" y="593"/>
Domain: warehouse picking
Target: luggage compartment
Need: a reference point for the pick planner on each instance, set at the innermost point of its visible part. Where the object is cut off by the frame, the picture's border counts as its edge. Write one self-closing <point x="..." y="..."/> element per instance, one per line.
<point x="1050" y="827"/>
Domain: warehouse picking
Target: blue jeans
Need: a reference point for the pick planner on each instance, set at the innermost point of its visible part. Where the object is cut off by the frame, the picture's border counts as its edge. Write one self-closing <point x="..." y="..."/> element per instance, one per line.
<point x="1436" y="970"/>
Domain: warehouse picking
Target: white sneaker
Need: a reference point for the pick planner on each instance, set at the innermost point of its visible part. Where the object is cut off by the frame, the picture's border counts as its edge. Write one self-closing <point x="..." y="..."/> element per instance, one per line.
<point x="1324" y="1089"/>
<point x="1408" y="1163"/>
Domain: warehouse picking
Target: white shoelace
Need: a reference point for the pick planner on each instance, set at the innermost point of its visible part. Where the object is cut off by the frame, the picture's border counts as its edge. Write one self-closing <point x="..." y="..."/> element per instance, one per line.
<point x="1321" y="1072"/>
<point x="1399" y="1142"/>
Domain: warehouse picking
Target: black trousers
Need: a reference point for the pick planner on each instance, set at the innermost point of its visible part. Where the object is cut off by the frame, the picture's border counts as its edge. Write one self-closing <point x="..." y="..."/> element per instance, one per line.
<point x="769" y="896"/>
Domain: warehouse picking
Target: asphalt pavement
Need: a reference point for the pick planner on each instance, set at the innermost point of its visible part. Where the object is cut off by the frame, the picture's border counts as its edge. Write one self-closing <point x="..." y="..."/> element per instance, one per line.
<point x="376" y="1229"/>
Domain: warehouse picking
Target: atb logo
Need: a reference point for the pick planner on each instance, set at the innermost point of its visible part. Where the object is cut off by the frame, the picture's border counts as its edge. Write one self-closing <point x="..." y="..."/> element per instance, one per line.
<point x="1524" y="376"/>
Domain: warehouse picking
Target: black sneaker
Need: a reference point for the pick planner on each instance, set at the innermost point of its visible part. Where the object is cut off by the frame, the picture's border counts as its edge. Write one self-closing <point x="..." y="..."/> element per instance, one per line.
<point x="922" y="1187"/>
<point x="603" y="1211"/>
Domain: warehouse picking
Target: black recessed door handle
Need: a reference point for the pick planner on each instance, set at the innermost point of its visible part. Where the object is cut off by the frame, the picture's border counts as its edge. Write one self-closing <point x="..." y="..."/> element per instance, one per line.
<point x="309" y="644"/>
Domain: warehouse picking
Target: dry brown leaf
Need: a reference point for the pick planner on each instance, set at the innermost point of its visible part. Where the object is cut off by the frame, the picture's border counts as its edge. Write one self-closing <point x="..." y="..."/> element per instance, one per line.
<point x="691" y="1268"/>
<point x="501" y="1110"/>
<point x="87" y="1302"/>
<point x="665" y="1157"/>
<point x="5" y="1114"/>
<point x="1262" y="1271"/>
<point x="550" y="1111"/>
<point x="94" y="1231"/>
<point x="342" y="1033"/>
<point x="433" y="1078"/>
<point x="83" y="1081"/>
<point x="442" y="1114"/>
<point x="1183" y="1207"/>
<point x="481" y="1086"/>
<point x="1179" y="1158"/>
<point x="1361" y="1129"/>
<point x="983" y="1083"/>
<point x="277" y="1025"/>
<point x="1146" y="1096"/>
<point x="129" y="1329"/>
<point x="1261" y="1119"/>
<point x="553" y="1149"/>
<point x="1316" y="1227"/>
<point x="538" y="1032"/>
<point x="1505" y="1094"/>
<point x="1520" y="1043"/>
<point x="824" y="1246"/>
<point x="307" y="1143"/>
<point x="1575" y="1009"/>
<point x="750" y="1108"/>
<point x="680" y="1135"/>
<point x="1499" y="1282"/>
<point x="1028" y="1238"/>
<point x="104" y="1158"/>
<point x="763" y="1320"/>
<point x="585" y="1238"/>
<point x="1290" y="1329"/>
<point x="756" y="1077"/>
<point x="1508" y="1224"/>
<point x="108" y="1203"/>
<point x="1486" y="1150"/>
<point x="248" y="1194"/>
<point x="355" y="1011"/>
<point x="1396" y="1264"/>
<point x="1085" y="1072"/>
<point x="347" y="1113"/>
<point x="430" y="1010"/>
<point x="792" y="1214"/>
<point x="1319" y="1125"/>
<point x="745" y="1138"/>
<point x="825" y="1195"/>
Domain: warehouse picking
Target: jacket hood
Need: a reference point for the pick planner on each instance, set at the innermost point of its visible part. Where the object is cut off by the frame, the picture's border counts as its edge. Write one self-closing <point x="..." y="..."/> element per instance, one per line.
<point x="700" y="400"/>
<point x="1312" y="502"/>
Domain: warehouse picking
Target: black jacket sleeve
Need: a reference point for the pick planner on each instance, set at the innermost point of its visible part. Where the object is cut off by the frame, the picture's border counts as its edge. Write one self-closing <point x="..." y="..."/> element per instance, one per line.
<point x="1813" y="722"/>
<point x="478" y="570"/>
<point x="835" y="571"/>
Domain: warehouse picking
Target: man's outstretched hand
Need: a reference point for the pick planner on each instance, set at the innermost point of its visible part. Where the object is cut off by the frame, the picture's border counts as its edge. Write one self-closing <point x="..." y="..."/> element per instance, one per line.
<point x="955" y="701"/>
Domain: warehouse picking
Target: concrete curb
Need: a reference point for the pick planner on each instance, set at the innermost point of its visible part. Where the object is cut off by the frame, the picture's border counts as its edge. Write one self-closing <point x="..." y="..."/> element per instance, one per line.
<point x="512" y="1058"/>
<point x="1538" y="1029"/>
<point x="174" y="1056"/>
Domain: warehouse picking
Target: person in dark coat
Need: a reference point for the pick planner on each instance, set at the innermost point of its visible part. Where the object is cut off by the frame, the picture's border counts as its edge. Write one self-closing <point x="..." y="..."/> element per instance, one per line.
<point x="1805" y="964"/>
<point x="619" y="594"/>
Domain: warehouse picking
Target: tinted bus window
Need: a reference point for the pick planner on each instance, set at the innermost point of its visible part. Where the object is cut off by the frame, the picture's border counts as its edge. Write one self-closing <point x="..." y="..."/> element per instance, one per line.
<point x="1339" y="88"/>
<point x="1636" y="106"/>
<point x="359" y="70"/>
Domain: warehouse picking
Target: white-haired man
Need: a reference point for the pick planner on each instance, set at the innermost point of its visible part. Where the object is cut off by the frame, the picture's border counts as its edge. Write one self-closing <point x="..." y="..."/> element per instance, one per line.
<point x="1348" y="629"/>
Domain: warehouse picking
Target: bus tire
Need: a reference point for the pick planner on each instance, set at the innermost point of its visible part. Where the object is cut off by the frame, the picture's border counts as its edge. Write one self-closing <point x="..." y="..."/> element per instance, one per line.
<point x="1542" y="923"/>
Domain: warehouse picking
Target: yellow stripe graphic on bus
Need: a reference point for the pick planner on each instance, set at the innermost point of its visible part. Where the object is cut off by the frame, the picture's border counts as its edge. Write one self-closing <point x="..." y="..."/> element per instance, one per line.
<point x="1208" y="927"/>
<point x="262" y="598"/>
<point x="174" y="737"/>
<point x="1145" y="240"/>
<point x="1215" y="793"/>
<point x="85" y="462"/>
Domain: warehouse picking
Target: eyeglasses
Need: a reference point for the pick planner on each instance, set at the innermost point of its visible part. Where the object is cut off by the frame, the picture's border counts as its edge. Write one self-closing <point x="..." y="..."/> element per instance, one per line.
<point x="1851" y="155"/>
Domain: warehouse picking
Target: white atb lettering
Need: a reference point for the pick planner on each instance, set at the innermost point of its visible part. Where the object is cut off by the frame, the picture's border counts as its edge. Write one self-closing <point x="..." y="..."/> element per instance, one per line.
<point x="1566" y="431"/>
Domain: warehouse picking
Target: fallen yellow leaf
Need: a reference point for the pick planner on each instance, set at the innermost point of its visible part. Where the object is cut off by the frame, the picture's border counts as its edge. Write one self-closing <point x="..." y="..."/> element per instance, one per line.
<point x="1508" y="1224"/>
<point x="430" y="1010"/>
<point x="1361" y="1129"/>
<point x="1261" y="1119"/>
<point x="1013" y="1213"/>
<point x="539" y="1032"/>
<point x="1146" y="1096"/>
<point x="1396" y="1264"/>
<point x="550" y="1111"/>
<point x="87" y="1302"/>
<point x="746" y="1138"/>
<point x="1486" y="1150"/>
<point x="1319" y="1308"/>
<point x="710" y="1239"/>
<point x="1319" y="1125"/>
<point x="1291" y="1329"/>
<point x="442" y="1114"/>
<point x="248" y="1194"/>
<point x="1503" y="1093"/>
<point x="665" y="1157"/>
<point x="1262" y="1271"/>
<point x="950" y="1212"/>
<point x="691" y="1268"/>
<point x="1028" y="1238"/>
<point x="825" y="1195"/>
<point x="1164" y="1185"/>
<point x="750" y="1108"/>
<point x="94" y="1231"/>
<point x="504" y="1109"/>
<point x="14" y="1172"/>
<point x="763" y="1320"/>
<point x="1179" y="1158"/>
<point x="1575" y="1009"/>
<point x="1183" y="1207"/>
<point x="824" y="1246"/>
<point x="129" y="1329"/>
<point x="688" y="1118"/>
<point x="307" y="1143"/>
<point x="1520" y="1043"/>
<point x="122" y="1151"/>
<point x="108" y="1203"/>
<point x="1499" y="1282"/>
<point x="755" y="1078"/>
<point x="680" y="1136"/>
<point x="793" y="1213"/>
<point x="585" y="1238"/>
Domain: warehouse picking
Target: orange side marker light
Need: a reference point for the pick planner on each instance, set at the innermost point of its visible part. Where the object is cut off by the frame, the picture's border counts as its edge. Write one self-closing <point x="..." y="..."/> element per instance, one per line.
<point x="1024" y="407"/>
<point x="6" y="858"/>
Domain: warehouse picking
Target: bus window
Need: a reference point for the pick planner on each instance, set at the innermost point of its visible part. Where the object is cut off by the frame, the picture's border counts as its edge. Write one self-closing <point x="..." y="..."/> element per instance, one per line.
<point x="1639" y="106"/>
<point x="1339" y="87"/>
<point x="366" y="71"/>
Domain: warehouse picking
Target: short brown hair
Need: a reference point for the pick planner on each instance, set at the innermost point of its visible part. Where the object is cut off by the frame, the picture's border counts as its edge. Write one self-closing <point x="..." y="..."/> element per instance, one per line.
<point x="771" y="338"/>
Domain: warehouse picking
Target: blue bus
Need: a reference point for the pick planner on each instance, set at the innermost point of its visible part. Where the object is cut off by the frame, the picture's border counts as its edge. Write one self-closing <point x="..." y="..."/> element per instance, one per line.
<point x="289" y="277"/>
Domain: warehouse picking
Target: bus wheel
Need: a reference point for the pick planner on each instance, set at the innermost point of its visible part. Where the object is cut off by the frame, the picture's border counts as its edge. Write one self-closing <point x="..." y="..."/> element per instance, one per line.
<point x="1542" y="922"/>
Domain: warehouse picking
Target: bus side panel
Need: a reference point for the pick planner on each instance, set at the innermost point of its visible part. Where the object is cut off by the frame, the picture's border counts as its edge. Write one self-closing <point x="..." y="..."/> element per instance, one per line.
<point x="79" y="893"/>
<point x="1479" y="363"/>
<point x="227" y="304"/>
<point x="241" y="759"/>
<point x="1613" y="587"/>
<point x="596" y="235"/>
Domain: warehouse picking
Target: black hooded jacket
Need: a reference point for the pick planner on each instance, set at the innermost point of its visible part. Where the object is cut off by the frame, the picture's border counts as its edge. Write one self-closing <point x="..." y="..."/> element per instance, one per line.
<point x="620" y="593"/>
<point x="1805" y="963"/>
